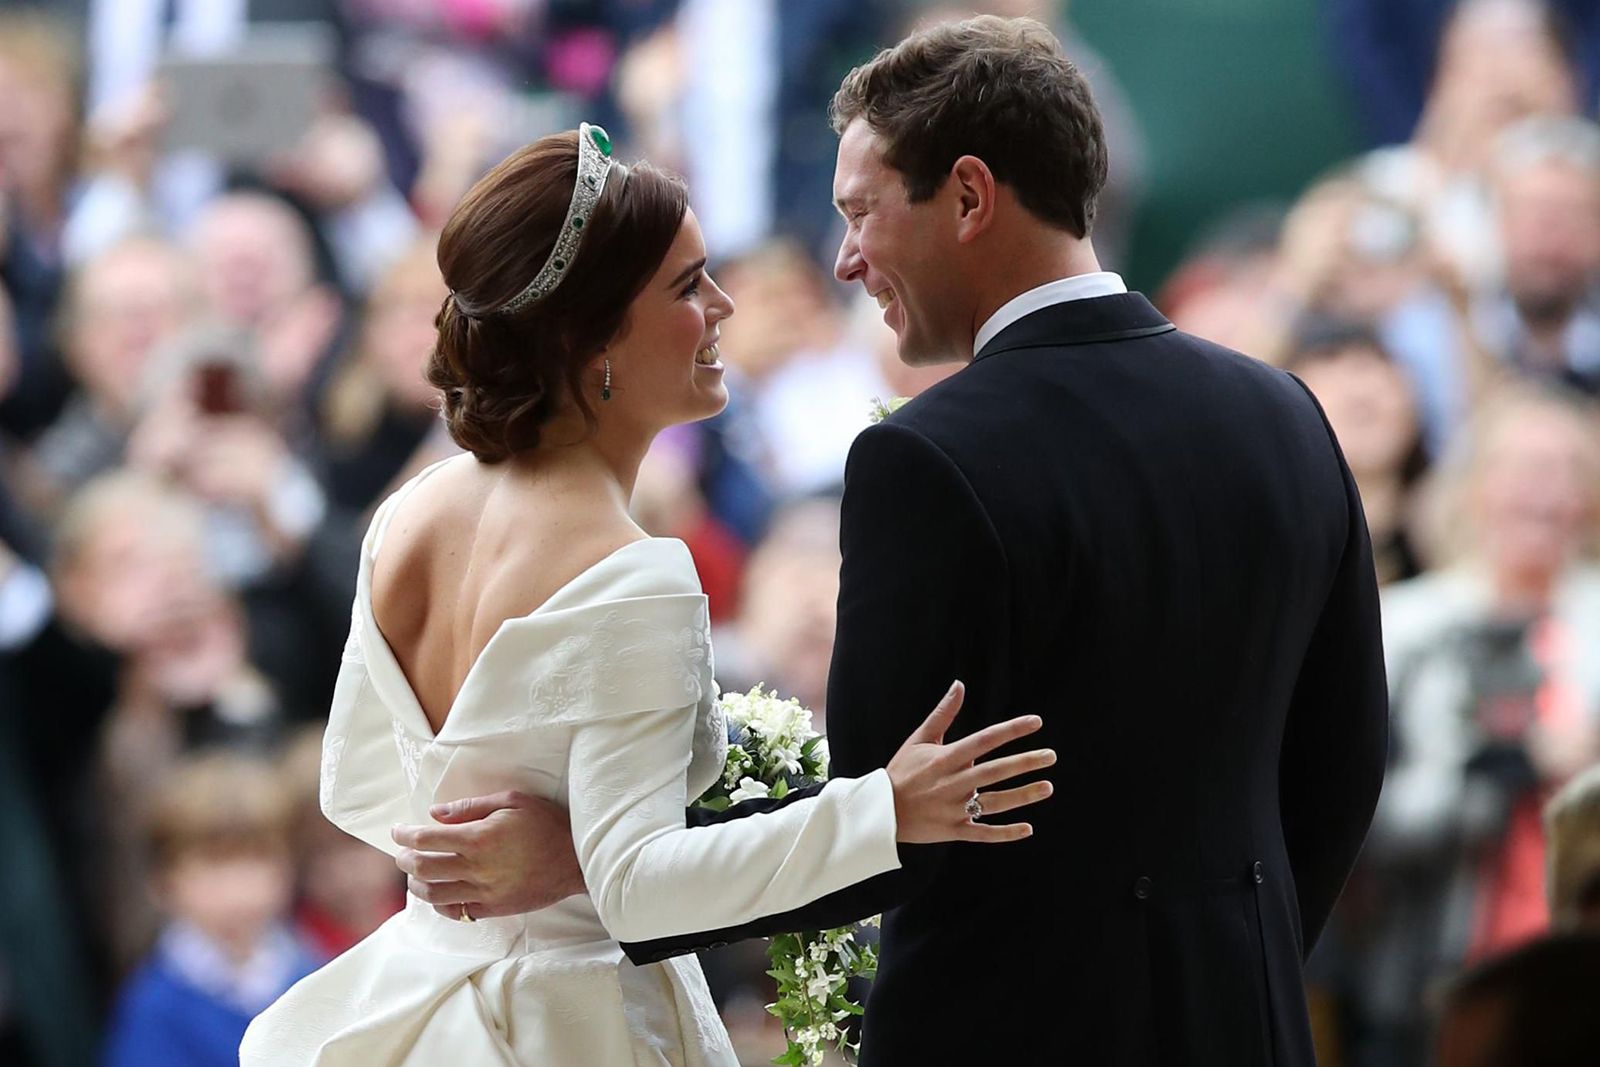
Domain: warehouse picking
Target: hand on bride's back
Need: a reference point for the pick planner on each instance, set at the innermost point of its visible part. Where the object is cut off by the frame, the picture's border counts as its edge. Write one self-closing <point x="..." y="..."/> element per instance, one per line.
<point x="935" y="782"/>
<point x="503" y="854"/>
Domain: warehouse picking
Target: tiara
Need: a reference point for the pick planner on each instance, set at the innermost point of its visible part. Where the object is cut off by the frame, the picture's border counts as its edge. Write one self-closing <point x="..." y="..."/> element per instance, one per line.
<point x="594" y="166"/>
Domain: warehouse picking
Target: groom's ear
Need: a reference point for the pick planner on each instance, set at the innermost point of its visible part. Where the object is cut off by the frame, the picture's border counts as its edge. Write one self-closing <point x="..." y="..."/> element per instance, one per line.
<point x="973" y="184"/>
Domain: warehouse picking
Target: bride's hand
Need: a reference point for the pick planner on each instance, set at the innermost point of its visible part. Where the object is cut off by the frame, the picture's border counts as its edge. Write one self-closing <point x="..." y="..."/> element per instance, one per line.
<point x="933" y="781"/>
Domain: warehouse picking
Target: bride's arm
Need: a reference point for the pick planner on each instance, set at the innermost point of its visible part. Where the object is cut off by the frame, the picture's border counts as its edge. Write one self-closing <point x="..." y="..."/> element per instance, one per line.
<point x="650" y="876"/>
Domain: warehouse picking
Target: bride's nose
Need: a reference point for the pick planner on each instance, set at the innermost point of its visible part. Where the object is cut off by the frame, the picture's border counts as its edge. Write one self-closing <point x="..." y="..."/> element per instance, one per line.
<point x="721" y="305"/>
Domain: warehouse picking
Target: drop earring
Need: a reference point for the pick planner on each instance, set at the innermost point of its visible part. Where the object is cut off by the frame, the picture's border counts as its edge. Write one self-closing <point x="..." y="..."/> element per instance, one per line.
<point x="605" y="390"/>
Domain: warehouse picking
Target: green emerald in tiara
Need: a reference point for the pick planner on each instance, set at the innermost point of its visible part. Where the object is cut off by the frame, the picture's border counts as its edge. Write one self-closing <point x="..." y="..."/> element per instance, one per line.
<point x="594" y="165"/>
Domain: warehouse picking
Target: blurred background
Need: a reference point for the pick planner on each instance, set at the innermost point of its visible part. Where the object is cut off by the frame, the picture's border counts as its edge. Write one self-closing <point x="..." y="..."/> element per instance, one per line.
<point x="217" y="288"/>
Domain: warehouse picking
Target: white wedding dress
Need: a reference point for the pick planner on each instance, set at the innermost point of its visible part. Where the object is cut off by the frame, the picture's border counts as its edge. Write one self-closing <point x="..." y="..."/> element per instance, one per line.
<point x="603" y="700"/>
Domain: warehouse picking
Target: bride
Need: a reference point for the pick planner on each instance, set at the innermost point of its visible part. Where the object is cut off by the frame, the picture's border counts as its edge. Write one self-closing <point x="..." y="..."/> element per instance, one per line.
<point x="513" y="629"/>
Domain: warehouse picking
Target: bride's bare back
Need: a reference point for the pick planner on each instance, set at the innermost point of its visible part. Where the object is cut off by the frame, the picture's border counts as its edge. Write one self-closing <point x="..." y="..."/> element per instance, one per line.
<point x="472" y="546"/>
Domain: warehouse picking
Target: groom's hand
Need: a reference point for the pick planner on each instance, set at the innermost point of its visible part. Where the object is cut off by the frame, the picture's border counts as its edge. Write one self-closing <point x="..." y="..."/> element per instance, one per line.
<point x="499" y="855"/>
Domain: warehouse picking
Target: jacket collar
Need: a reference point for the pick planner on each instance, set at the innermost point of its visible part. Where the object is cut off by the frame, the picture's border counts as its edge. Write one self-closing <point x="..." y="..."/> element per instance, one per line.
<point x="1120" y="317"/>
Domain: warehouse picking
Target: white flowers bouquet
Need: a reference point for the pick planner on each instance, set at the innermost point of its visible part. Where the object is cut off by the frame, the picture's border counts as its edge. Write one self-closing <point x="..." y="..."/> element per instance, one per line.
<point x="773" y="750"/>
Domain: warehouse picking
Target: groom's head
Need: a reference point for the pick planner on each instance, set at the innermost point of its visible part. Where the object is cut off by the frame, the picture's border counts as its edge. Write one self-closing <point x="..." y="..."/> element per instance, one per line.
<point x="969" y="154"/>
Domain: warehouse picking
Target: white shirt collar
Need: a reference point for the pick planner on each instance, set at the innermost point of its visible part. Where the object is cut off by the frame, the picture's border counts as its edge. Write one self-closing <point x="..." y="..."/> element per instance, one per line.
<point x="1077" y="287"/>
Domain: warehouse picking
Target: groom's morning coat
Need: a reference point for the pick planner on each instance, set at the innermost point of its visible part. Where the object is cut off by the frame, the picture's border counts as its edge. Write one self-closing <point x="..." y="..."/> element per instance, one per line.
<point x="1153" y="543"/>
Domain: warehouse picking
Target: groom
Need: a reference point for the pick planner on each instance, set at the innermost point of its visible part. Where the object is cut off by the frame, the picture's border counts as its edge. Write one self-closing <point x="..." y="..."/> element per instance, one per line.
<point x="1149" y="540"/>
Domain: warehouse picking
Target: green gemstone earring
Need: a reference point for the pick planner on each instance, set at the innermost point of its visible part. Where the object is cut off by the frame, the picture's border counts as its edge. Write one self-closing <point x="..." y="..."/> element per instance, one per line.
<point x="605" y="390"/>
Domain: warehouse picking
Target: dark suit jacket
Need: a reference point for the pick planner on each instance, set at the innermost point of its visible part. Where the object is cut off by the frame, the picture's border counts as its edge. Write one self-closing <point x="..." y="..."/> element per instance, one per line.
<point x="1155" y="544"/>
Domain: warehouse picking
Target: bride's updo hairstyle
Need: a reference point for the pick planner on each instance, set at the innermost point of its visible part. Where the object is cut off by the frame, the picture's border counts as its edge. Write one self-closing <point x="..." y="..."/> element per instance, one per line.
<point x="504" y="374"/>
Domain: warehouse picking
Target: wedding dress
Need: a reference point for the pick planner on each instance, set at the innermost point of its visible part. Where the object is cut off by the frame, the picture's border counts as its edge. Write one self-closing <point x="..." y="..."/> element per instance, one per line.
<point x="603" y="700"/>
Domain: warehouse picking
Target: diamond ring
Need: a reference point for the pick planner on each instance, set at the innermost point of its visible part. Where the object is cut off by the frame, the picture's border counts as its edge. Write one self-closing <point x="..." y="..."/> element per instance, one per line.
<point x="974" y="807"/>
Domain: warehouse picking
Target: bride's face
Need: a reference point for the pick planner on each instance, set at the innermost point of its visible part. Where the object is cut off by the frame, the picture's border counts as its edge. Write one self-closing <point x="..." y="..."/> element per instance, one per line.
<point x="665" y="368"/>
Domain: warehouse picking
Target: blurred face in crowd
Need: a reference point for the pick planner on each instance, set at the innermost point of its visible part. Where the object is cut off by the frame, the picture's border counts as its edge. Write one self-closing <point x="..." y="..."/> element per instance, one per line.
<point x="1534" y="494"/>
<point x="1348" y="251"/>
<point x="900" y="252"/>
<point x="782" y="309"/>
<point x="1369" y="403"/>
<point x="125" y="304"/>
<point x="253" y="255"/>
<point x="1498" y="64"/>
<point x="233" y="896"/>
<point x="666" y="364"/>
<point x="135" y="568"/>
<point x="1550" y="230"/>
<point x="399" y="331"/>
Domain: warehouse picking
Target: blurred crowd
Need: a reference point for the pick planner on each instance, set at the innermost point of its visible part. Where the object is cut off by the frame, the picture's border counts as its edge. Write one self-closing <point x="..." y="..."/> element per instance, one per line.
<point x="210" y="373"/>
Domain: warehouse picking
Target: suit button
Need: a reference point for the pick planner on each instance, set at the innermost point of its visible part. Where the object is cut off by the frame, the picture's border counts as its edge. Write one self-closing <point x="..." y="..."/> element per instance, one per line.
<point x="1258" y="873"/>
<point x="1141" y="889"/>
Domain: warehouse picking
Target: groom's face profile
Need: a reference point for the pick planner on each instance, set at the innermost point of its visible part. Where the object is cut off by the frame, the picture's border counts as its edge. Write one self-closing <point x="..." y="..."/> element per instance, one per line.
<point x="900" y="252"/>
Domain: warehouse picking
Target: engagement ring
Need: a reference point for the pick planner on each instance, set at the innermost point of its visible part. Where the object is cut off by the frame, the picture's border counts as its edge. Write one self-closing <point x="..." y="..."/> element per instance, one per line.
<point x="974" y="807"/>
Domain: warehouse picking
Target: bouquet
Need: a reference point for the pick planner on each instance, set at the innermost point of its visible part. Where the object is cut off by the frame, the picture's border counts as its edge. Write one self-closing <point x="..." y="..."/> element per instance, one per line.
<point x="773" y="750"/>
<point x="881" y="409"/>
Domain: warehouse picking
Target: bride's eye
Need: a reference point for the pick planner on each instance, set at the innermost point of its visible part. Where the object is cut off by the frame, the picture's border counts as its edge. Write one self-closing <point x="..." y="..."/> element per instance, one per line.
<point x="693" y="287"/>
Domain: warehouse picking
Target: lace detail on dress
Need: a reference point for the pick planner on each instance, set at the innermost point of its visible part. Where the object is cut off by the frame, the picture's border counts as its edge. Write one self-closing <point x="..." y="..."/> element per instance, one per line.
<point x="352" y="644"/>
<point x="587" y="668"/>
<point x="710" y="751"/>
<point x="409" y="751"/>
<point x="332" y="753"/>
<point x="580" y="674"/>
<point x="709" y="1031"/>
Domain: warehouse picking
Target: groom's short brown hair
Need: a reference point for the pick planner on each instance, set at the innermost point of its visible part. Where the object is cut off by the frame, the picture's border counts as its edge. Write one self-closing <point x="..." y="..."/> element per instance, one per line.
<point x="995" y="88"/>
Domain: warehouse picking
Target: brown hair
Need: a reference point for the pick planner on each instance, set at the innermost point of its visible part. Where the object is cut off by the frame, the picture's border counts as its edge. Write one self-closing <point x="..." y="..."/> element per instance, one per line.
<point x="220" y="805"/>
<point x="503" y="376"/>
<point x="996" y="88"/>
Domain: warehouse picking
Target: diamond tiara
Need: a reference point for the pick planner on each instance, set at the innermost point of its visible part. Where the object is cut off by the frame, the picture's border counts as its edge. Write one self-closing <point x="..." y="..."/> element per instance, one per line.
<point x="594" y="166"/>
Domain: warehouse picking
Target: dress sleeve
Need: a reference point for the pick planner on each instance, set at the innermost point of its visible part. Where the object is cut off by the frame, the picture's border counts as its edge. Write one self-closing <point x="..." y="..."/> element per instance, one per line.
<point x="632" y="723"/>
<point x="364" y="789"/>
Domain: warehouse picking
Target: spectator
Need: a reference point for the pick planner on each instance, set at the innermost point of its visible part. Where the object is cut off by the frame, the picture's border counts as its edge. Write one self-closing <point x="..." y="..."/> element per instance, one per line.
<point x="121" y="307"/>
<point x="378" y="407"/>
<point x="1494" y="703"/>
<point x="1350" y="252"/>
<point x="784" y="632"/>
<point x="257" y="273"/>
<point x="668" y="502"/>
<point x="219" y="842"/>
<point x="1388" y="48"/>
<point x="1544" y="318"/>
<point x="54" y="691"/>
<point x="1373" y="411"/>
<point x="807" y="382"/>
<point x="1531" y="1006"/>
<point x="1499" y="61"/>
<point x="1572" y="827"/>
<point x="38" y="172"/>
<point x="130" y="572"/>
